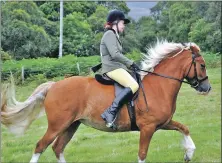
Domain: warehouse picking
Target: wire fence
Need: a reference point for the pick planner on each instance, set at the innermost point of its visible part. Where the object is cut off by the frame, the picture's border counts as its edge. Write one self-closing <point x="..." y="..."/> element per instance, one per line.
<point x="51" y="72"/>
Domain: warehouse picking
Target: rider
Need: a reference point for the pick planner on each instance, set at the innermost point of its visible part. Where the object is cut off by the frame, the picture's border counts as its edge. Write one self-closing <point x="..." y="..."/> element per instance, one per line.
<point x="115" y="65"/>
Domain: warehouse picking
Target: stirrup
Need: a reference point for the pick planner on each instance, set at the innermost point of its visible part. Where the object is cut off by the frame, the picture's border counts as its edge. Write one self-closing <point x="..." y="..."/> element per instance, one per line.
<point x="111" y="124"/>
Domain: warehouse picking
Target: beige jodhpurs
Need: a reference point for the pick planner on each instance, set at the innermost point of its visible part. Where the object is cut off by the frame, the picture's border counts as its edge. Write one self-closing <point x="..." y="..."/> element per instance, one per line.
<point x="122" y="77"/>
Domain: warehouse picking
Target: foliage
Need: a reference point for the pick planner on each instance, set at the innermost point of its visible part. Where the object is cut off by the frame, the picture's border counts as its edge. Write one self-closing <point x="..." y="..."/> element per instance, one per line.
<point x="77" y="40"/>
<point x="38" y="79"/>
<point x="146" y="32"/>
<point x="50" y="67"/>
<point x="97" y="20"/>
<point x="22" y="33"/>
<point x="212" y="60"/>
<point x="68" y="65"/>
<point x="198" y="22"/>
<point x="31" y="29"/>
<point x="181" y="16"/>
<point x="51" y="9"/>
<point x="4" y="55"/>
<point x="130" y="41"/>
<point x="119" y="5"/>
<point x="199" y="33"/>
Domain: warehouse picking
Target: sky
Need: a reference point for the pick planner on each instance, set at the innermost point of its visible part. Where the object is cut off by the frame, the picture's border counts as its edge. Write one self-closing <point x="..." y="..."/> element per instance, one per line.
<point x="139" y="9"/>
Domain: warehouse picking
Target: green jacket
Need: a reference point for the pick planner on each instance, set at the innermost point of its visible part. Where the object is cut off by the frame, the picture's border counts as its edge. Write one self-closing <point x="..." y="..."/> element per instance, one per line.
<point x="111" y="53"/>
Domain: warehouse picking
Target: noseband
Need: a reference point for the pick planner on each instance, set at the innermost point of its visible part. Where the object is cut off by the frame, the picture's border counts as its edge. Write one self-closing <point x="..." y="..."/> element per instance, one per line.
<point x="194" y="82"/>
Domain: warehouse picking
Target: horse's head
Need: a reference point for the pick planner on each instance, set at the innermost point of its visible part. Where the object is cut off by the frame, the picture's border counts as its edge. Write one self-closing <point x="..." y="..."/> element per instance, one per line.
<point x="196" y="73"/>
<point x="194" y="65"/>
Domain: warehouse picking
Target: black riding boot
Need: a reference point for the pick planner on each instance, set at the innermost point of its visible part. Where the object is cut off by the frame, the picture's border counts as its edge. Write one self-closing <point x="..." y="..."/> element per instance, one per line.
<point x="109" y="115"/>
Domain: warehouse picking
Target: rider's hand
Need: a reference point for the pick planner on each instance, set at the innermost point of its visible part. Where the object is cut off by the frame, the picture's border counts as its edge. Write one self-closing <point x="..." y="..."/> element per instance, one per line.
<point x="135" y="66"/>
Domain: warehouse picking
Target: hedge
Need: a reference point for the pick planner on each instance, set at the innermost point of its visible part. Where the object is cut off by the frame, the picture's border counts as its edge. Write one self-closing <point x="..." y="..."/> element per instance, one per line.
<point x="53" y="67"/>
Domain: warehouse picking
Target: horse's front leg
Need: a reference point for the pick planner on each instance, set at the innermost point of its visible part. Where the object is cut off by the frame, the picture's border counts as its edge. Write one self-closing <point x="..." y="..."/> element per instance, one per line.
<point x="146" y="133"/>
<point x="187" y="142"/>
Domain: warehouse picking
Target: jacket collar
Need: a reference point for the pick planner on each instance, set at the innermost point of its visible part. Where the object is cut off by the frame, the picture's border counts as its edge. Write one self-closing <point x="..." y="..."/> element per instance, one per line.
<point x="117" y="35"/>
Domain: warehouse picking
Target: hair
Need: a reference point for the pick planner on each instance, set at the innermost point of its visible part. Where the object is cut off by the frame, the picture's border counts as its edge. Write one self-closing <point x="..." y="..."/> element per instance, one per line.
<point x="108" y="25"/>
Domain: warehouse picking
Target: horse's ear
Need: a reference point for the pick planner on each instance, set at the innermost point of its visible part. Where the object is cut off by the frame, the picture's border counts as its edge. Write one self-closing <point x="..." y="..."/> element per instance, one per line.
<point x="194" y="48"/>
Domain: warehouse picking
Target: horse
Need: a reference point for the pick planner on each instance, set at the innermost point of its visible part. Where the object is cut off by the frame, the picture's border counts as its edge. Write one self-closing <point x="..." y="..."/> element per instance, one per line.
<point x="81" y="100"/>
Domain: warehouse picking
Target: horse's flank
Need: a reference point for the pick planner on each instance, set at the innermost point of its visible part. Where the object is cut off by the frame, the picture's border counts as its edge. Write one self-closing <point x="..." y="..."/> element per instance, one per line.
<point x="85" y="101"/>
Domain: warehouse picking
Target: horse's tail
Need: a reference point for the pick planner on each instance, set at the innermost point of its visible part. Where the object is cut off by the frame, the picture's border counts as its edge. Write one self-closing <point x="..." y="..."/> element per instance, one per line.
<point x="17" y="116"/>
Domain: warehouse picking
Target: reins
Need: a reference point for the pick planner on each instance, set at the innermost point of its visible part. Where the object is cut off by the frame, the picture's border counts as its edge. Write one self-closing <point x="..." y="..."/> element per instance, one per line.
<point x="193" y="82"/>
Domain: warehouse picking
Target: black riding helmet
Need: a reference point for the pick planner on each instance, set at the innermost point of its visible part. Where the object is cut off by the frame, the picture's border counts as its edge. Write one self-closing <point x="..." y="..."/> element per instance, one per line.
<point x="117" y="15"/>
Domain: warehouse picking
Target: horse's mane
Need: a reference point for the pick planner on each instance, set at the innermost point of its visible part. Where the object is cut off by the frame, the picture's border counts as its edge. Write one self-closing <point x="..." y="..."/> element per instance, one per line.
<point x="160" y="51"/>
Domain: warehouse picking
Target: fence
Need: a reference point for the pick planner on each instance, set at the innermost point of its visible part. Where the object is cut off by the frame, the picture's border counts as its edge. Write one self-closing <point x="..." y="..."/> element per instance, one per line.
<point x="23" y="72"/>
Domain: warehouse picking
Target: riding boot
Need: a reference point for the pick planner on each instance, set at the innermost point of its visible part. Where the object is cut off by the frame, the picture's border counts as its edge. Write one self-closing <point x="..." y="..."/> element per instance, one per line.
<point x="109" y="115"/>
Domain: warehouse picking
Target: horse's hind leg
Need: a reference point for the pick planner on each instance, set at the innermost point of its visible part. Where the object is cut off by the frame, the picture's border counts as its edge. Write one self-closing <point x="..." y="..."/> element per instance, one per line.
<point x="47" y="139"/>
<point x="188" y="142"/>
<point x="55" y="127"/>
<point x="63" y="139"/>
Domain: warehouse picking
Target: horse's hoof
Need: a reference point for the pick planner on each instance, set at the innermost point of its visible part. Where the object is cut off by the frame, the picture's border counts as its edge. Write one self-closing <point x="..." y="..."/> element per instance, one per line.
<point x="188" y="155"/>
<point x="186" y="158"/>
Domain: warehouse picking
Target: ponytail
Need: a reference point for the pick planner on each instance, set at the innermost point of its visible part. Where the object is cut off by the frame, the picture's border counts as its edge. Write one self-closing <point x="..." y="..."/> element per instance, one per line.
<point x="108" y="25"/>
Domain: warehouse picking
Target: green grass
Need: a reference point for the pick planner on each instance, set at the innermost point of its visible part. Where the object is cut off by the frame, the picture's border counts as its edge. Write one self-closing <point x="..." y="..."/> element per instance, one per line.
<point x="202" y="114"/>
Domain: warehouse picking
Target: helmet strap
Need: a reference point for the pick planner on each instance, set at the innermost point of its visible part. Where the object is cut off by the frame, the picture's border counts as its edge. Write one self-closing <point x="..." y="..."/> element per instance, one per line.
<point x="117" y="26"/>
<point x="116" y="22"/>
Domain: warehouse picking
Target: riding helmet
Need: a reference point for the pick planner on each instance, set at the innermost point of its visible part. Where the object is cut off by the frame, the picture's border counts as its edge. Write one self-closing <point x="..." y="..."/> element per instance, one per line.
<point x="117" y="15"/>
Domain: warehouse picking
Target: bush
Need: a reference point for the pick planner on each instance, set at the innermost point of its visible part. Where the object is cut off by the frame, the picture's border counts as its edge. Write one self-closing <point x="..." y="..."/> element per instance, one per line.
<point x="212" y="60"/>
<point x="135" y="55"/>
<point x="4" y="55"/>
<point x="50" y="67"/>
<point x="38" y="79"/>
<point x="71" y="65"/>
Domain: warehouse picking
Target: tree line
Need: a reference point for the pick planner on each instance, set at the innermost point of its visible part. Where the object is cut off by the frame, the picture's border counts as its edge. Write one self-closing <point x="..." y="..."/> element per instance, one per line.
<point x="31" y="29"/>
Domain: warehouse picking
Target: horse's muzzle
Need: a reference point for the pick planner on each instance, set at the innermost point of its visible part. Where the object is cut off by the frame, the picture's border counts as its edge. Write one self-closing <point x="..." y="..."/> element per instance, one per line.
<point x="203" y="88"/>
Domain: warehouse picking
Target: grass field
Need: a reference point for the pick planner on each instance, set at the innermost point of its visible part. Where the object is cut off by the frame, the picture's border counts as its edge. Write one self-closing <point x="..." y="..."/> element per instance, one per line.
<point x="202" y="114"/>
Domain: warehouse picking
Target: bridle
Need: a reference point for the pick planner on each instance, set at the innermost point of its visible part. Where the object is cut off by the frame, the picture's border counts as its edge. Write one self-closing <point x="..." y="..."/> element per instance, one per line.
<point x="193" y="82"/>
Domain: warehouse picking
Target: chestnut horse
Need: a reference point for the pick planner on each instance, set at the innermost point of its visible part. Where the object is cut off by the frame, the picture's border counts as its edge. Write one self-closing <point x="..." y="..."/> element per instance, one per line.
<point x="78" y="99"/>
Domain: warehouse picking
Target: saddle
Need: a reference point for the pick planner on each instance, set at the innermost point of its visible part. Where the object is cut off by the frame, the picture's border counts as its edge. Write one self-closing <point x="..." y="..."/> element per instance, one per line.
<point x="104" y="79"/>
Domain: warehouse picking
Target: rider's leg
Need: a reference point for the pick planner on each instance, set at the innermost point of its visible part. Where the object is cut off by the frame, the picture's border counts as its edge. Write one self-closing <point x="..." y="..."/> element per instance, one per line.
<point x="131" y="86"/>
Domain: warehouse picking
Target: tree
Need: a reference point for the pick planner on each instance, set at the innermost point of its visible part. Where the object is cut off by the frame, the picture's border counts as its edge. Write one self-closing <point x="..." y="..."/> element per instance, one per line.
<point x="198" y="22"/>
<point x="98" y="19"/>
<point x="213" y="16"/>
<point x="61" y="29"/>
<point x="130" y="41"/>
<point x="77" y="35"/>
<point x="22" y="33"/>
<point x="207" y="30"/>
<point x="199" y="33"/>
<point x="119" y="5"/>
<point x="51" y="9"/>
<point x="146" y="32"/>
<point x="181" y="17"/>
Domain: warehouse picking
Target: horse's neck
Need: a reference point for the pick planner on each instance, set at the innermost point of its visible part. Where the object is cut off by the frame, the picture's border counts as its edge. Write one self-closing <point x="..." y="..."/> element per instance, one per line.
<point x="173" y="67"/>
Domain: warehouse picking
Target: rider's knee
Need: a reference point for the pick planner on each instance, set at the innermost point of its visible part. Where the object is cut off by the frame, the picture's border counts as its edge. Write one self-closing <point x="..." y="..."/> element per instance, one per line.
<point x="134" y="87"/>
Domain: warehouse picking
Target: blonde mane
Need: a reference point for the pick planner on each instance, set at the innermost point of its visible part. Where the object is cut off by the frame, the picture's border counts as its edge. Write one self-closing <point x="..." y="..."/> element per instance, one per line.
<point x="161" y="50"/>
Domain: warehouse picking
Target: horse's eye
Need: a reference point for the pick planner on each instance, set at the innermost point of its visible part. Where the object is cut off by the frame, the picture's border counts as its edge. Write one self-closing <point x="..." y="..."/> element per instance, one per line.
<point x="202" y="66"/>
